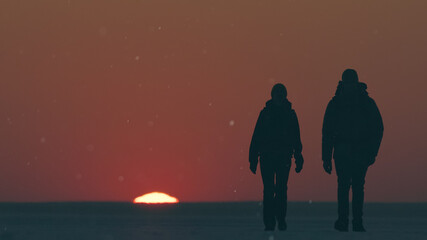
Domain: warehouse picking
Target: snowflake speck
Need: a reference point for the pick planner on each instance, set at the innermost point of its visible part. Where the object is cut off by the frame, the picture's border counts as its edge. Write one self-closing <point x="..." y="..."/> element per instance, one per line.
<point x="90" y="148"/>
<point x="102" y="31"/>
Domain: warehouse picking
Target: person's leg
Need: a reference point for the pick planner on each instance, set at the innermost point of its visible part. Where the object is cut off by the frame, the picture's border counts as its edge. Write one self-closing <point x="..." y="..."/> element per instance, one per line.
<point x="281" y="198"/>
<point x="267" y="173"/>
<point x="344" y="181"/>
<point x="358" y="185"/>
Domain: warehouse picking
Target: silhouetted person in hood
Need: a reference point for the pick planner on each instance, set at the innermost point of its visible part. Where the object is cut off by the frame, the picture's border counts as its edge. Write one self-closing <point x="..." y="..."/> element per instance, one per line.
<point x="275" y="140"/>
<point x="352" y="131"/>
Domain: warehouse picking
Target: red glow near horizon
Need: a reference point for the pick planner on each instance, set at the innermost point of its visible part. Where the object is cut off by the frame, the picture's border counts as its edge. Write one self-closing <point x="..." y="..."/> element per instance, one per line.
<point x="156" y="198"/>
<point x="109" y="100"/>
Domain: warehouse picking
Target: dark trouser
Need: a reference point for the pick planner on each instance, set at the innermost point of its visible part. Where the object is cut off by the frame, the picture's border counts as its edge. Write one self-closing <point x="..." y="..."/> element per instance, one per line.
<point x="275" y="193"/>
<point x="350" y="172"/>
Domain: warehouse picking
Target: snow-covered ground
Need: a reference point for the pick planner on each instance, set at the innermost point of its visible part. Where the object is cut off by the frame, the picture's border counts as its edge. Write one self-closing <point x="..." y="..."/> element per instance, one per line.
<point x="201" y="221"/>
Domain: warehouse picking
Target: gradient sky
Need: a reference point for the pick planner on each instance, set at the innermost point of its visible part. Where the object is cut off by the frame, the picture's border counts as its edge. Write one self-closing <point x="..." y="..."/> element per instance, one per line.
<point x="107" y="100"/>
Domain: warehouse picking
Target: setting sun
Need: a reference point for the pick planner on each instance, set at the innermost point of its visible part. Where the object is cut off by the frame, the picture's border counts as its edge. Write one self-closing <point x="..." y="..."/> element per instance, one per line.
<point x="155" y="197"/>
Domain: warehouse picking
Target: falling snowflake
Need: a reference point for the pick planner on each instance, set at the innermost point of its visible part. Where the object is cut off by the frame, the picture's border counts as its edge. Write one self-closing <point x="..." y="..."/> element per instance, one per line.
<point x="90" y="148"/>
<point x="231" y="123"/>
<point x="79" y="176"/>
<point x="102" y="31"/>
<point x="136" y="58"/>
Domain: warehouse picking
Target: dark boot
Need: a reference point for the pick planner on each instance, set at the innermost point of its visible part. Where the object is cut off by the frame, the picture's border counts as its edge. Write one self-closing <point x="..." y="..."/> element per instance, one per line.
<point x="282" y="226"/>
<point x="269" y="228"/>
<point x="358" y="225"/>
<point x="269" y="219"/>
<point x="341" y="225"/>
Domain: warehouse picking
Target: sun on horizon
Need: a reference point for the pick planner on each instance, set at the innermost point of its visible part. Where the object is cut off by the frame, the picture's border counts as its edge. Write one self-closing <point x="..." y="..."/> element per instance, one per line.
<point x="155" y="198"/>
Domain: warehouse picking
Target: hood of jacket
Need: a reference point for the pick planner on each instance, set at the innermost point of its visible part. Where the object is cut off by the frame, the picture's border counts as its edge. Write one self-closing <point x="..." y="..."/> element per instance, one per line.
<point x="349" y="93"/>
<point x="284" y="106"/>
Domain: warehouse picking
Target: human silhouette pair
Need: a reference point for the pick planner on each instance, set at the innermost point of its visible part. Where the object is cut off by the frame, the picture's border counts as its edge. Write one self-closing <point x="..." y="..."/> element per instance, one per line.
<point x="351" y="135"/>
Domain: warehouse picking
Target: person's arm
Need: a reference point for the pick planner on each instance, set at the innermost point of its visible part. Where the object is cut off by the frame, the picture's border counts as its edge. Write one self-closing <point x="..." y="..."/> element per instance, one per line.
<point x="328" y="137"/>
<point x="255" y="144"/>
<point x="376" y="129"/>
<point x="297" y="145"/>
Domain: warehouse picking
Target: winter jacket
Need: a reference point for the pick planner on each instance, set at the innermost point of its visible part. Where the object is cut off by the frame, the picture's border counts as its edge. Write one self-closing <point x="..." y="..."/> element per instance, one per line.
<point x="276" y="131"/>
<point x="352" y="125"/>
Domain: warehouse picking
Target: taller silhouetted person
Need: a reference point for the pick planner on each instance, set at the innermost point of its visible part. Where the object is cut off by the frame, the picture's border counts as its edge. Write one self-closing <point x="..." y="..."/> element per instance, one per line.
<point x="275" y="140"/>
<point x="352" y="131"/>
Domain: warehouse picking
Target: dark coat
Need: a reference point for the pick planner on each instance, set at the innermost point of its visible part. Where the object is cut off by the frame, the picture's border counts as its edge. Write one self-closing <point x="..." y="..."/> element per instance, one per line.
<point x="352" y="125"/>
<point x="276" y="131"/>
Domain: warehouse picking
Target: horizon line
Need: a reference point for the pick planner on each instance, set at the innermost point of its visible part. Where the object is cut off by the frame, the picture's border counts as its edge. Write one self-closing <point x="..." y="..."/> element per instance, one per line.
<point x="205" y="202"/>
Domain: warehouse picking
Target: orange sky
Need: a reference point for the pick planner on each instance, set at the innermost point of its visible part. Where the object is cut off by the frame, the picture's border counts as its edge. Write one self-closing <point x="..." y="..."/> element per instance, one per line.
<point x="107" y="100"/>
